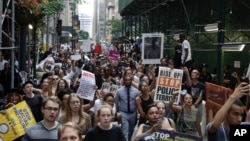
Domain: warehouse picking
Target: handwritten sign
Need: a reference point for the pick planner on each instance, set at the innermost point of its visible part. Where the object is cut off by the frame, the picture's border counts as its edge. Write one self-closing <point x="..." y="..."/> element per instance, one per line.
<point x="14" y="121"/>
<point x="86" y="88"/>
<point x="168" y="81"/>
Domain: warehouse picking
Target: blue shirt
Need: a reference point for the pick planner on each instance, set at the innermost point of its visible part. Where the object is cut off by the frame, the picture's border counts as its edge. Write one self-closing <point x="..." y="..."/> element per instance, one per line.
<point x="121" y="99"/>
<point x="220" y="135"/>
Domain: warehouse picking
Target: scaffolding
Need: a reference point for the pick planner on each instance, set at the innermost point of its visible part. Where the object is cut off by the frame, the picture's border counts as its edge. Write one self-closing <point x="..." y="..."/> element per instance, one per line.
<point x="3" y="15"/>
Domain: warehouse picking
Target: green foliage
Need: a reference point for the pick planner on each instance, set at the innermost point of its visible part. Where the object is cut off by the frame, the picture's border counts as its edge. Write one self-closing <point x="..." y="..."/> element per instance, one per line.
<point x="52" y="7"/>
<point x="84" y="34"/>
<point x="79" y="1"/>
<point x="116" y="27"/>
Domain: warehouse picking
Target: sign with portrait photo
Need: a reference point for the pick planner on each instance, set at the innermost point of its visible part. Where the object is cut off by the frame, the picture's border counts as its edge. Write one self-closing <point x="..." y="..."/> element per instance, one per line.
<point x="152" y="48"/>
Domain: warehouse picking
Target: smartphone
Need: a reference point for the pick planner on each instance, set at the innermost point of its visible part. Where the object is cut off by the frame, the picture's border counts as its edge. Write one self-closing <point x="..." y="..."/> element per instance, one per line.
<point x="159" y="121"/>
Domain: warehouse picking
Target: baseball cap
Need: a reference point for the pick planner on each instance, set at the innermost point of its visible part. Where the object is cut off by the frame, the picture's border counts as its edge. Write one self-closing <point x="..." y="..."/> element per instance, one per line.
<point x="27" y="82"/>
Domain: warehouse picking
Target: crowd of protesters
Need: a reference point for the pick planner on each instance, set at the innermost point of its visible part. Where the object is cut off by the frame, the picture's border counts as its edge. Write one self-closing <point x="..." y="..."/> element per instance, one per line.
<point x="62" y="115"/>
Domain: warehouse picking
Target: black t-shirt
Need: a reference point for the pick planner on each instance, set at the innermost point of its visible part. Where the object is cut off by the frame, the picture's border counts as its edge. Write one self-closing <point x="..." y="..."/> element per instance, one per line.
<point x="196" y="91"/>
<point x="97" y="134"/>
<point x="35" y="105"/>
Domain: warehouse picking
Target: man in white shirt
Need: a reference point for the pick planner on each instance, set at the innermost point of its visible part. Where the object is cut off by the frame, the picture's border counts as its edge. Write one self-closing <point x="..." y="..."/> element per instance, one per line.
<point x="186" y="55"/>
<point x="2" y="61"/>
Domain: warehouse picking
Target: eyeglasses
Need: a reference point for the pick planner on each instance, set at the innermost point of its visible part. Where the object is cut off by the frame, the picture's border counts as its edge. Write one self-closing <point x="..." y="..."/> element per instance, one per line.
<point x="75" y="102"/>
<point x="51" y="109"/>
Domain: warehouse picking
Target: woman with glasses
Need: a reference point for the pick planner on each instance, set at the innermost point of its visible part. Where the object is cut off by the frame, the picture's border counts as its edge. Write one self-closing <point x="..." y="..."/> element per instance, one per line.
<point x="74" y="113"/>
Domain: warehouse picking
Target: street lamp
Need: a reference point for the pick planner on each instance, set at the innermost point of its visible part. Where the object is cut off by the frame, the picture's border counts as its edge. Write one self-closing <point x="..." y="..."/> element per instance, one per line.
<point x="72" y="8"/>
<point x="29" y="35"/>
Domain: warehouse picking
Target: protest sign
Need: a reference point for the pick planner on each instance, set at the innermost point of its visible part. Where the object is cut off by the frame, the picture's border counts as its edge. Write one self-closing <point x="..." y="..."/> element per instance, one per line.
<point x="168" y="81"/>
<point x="86" y="89"/>
<point x="14" y="121"/>
<point x="86" y="45"/>
<point x="107" y="87"/>
<point x="216" y="96"/>
<point x="114" y="54"/>
<point x="113" y="89"/>
<point x="152" y="48"/>
<point x="75" y="57"/>
<point x="164" y="135"/>
<point x="178" y="136"/>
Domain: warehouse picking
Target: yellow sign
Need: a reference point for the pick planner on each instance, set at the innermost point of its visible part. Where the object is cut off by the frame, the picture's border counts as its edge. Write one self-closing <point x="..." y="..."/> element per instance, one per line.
<point x="14" y="121"/>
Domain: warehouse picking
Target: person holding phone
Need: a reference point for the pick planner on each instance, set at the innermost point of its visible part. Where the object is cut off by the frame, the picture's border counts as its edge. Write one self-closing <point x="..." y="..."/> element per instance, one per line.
<point x="229" y="114"/>
<point x="154" y="124"/>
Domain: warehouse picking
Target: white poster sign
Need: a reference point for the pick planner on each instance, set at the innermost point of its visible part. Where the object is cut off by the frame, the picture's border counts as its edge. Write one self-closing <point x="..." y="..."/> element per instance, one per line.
<point x="75" y="57"/>
<point x="168" y="81"/>
<point x="86" y="46"/>
<point x="152" y="48"/>
<point x="86" y="89"/>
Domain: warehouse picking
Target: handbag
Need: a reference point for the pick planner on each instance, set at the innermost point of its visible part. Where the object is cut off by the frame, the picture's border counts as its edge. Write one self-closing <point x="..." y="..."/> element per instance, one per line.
<point x="182" y="127"/>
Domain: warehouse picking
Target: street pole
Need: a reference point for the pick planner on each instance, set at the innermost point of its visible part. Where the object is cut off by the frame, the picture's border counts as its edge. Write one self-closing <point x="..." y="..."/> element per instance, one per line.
<point x="1" y="12"/>
<point x="47" y="34"/>
<point x="12" y="44"/>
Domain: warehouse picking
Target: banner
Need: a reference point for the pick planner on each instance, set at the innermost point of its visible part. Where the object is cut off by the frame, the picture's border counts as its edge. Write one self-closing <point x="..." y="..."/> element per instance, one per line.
<point x="164" y="135"/>
<point x="168" y="81"/>
<point x="14" y="121"/>
<point x="86" y="89"/>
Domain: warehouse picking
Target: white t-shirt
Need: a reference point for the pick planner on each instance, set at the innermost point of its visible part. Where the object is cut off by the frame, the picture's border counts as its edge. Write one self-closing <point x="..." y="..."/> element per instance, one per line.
<point x="2" y="64"/>
<point x="186" y="45"/>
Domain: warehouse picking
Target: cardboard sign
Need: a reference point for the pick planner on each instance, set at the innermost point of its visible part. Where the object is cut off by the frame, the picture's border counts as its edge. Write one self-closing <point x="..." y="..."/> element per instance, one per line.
<point x="216" y="96"/>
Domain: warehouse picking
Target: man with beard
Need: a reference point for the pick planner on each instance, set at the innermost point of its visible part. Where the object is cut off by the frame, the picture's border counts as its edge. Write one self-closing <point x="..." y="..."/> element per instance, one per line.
<point x="47" y="128"/>
<point x="125" y="104"/>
